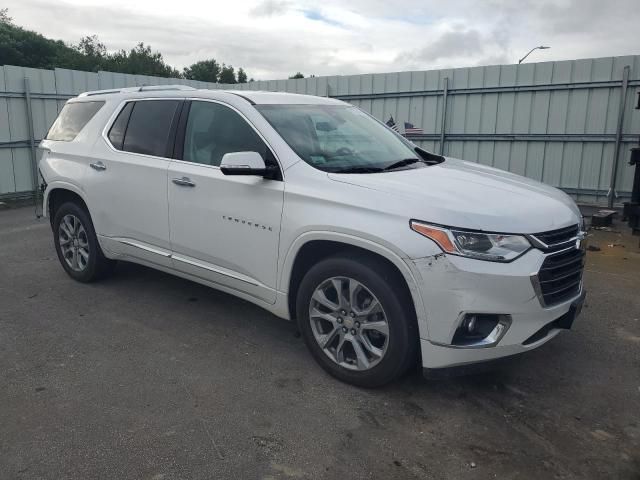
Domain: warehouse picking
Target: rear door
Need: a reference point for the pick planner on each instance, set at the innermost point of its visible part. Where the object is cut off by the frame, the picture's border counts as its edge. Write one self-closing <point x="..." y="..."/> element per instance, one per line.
<point x="224" y="229"/>
<point x="127" y="181"/>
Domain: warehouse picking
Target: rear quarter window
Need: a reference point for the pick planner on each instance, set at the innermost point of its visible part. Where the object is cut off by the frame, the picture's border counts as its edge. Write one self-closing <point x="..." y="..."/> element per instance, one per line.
<point x="116" y="134"/>
<point x="72" y="119"/>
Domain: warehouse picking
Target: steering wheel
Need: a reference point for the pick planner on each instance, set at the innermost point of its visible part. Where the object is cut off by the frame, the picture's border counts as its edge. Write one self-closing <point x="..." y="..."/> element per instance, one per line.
<point x="342" y="151"/>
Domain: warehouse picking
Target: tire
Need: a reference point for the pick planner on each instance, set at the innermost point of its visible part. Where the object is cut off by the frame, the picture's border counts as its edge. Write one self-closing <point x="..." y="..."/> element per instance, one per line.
<point x="77" y="245"/>
<point x="378" y="282"/>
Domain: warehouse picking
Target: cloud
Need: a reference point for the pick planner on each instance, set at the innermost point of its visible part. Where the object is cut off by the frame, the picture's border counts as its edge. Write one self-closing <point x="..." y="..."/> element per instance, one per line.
<point x="273" y="39"/>
<point x="449" y="45"/>
<point x="320" y="17"/>
<point x="268" y="8"/>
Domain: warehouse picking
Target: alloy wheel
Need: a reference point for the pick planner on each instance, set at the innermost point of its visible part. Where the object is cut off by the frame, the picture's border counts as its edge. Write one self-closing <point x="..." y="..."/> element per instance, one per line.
<point x="349" y="323"/>
<point x="74" y="243"/>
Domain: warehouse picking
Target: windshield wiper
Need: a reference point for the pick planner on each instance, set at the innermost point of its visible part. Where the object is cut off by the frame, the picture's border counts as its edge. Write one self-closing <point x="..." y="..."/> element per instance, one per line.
<point x="362" y="169"/>
<point x="401" y="163"/>
<point x="358" y="170"/>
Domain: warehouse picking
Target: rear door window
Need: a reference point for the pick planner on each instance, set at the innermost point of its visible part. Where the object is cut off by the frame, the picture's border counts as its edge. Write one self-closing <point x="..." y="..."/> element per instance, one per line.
<point x="73" y="117"/>
<point x="148" y="128"/>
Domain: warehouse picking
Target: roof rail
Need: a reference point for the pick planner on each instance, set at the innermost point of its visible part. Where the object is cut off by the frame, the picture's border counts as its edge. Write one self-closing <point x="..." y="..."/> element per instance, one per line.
<point x="144" y="88"/>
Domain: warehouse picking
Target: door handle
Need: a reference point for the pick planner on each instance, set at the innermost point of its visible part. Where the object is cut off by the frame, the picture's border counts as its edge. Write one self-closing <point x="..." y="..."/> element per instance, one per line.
<point x="99" y="166"/>
<point x="184" y="182"/>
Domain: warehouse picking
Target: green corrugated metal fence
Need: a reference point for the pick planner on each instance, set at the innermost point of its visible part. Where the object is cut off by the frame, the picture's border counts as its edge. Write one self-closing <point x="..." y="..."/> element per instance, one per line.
<point x="554" y="121"/>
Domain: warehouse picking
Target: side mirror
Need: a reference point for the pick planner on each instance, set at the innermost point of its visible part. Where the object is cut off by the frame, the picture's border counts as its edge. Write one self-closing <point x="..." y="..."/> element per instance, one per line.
<point x="243" y="163"/>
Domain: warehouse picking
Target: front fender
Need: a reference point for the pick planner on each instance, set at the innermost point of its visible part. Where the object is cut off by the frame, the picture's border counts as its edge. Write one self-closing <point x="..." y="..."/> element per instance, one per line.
<point x="405" y="266"/>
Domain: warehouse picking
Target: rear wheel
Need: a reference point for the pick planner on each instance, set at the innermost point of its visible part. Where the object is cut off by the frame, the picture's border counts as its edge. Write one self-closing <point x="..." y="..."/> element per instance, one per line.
<point x="77" y="245"/>
<point x="356" y="320"/>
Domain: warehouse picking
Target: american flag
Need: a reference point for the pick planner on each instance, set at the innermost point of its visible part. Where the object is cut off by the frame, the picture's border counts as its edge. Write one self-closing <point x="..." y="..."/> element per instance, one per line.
<point x="409" y="129"/>
<point x="391" y="123"/>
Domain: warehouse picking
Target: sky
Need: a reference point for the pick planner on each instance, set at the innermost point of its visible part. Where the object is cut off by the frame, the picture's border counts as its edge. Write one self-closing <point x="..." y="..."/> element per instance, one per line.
<point x="273" y="39"/>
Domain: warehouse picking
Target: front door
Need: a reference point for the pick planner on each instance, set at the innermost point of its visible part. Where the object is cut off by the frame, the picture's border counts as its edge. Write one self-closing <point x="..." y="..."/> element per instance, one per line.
<point x="224" y="229"/>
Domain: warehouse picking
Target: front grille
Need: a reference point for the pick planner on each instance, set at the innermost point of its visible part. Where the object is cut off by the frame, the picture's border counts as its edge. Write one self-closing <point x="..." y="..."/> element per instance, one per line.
<point x="560" y="276"/>
<point x="557" y="239"/>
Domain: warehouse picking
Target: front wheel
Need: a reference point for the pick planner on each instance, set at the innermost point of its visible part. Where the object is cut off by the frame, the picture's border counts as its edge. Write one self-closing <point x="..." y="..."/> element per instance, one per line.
<point x="357" y="320"/>
<point x="77" y="245"/>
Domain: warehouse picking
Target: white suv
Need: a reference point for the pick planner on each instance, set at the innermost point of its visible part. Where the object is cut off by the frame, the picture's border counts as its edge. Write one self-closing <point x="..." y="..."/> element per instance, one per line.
<point x="314" y="210"/>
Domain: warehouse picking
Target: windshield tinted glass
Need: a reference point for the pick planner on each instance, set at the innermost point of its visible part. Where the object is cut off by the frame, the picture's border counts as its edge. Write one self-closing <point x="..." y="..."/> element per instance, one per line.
<point x="337" y="138"/>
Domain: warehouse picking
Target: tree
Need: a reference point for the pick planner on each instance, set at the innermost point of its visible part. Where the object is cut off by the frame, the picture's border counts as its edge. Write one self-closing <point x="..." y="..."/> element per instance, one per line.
<point x="242" y="76"/>
<point x="227" y="74"/>
<point x="297" y="75"/>
<point x="140" y="60"/>
<point x="204" y="70"/>
<point x="91" y="55"/>
<point x="4" y="16"/>
<point x="25" y="48"/>
<point x="91" y="46"/>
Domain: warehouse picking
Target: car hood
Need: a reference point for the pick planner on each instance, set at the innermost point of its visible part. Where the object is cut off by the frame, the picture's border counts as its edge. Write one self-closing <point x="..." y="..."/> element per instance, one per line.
<point x="469" y="195"/>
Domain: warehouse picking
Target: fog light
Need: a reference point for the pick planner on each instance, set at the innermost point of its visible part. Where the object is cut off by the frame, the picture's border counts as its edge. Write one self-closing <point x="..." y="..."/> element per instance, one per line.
<point x="480" y="330"/>
<point x="470" y="323"/>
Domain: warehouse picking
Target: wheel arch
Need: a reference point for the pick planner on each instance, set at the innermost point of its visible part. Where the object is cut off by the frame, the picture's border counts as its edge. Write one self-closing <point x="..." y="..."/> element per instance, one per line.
<point x="312" y="247"/>
<point x="59" y="192"/>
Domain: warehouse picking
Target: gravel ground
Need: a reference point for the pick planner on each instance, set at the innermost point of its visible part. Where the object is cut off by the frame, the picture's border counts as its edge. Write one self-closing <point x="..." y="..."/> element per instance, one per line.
<point x="149" y="376"/>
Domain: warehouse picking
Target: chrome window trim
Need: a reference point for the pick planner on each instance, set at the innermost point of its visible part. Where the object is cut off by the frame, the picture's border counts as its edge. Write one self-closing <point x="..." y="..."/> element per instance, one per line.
<point x="114" y="115"/>
<point x="122" y="104"/>
<point x="244" y="117"/>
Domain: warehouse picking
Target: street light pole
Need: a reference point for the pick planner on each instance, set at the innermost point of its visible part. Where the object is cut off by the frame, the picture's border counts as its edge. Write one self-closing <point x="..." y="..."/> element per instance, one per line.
<point x="541" y="47"/>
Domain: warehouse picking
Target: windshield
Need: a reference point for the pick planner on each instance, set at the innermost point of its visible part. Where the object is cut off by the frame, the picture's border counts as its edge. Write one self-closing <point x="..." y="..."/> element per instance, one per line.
<point x="340" y="138"/>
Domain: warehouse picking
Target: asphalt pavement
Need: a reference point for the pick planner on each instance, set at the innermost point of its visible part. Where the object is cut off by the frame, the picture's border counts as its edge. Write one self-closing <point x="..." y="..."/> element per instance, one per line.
<point x="148" y="376"/>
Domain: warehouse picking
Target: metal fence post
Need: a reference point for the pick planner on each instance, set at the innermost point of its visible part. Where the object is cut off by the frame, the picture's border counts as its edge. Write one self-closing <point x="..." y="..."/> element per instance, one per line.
<point x="445" y="94"/>
<point x="32" y="142"/>
<point x="616" y="152"/>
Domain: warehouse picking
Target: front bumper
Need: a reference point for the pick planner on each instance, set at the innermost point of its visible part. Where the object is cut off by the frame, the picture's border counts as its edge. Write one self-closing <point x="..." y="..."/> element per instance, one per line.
<point x="453" y="286"/>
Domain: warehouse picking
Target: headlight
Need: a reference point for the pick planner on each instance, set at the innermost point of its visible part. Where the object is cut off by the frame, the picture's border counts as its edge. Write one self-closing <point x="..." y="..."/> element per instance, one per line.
<point x="496" y="247"/>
